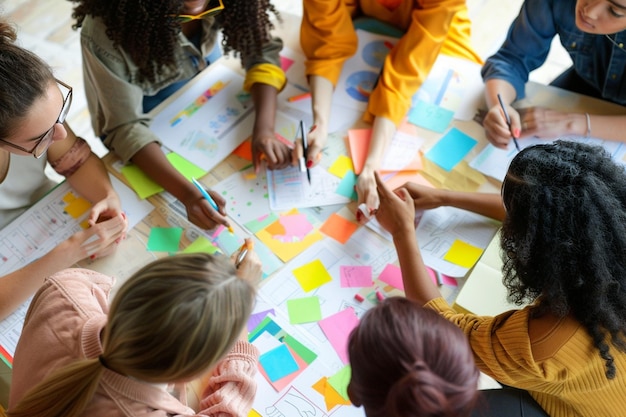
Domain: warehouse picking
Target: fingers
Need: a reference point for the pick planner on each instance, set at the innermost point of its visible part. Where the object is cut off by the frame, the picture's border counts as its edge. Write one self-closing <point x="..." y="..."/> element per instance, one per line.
<point x="103" y="237"/>
<point x="314" y="156"/>
<point x="219" y="200"/>
<point x="383" y="190"/>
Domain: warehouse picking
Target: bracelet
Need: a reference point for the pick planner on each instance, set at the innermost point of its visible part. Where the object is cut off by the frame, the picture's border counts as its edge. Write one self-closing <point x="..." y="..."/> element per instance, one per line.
<point x="588" y="125"/>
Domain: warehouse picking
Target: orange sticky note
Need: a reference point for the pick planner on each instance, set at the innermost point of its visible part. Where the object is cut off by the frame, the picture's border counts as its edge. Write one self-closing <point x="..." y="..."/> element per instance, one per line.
<point x="244" y="150"/>
<point x="312" y="275"/>
<point x="463" y="254"/>
<point x="338" y="228"/>
<point x="359" y="144"/>
<point x="331" y="397"/>
<point x="401" y="178"/>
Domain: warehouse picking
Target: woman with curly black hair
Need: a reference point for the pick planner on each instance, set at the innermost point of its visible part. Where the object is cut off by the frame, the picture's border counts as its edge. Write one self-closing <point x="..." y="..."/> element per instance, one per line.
<point x="138" y="52"/>
<point x="563" y="241"/>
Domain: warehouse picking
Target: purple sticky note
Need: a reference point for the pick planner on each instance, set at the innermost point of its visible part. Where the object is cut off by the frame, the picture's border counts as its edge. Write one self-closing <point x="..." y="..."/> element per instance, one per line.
<point x="256" y="318"/>
<point x="392" y="275"/>
<point x="337" y="329"/>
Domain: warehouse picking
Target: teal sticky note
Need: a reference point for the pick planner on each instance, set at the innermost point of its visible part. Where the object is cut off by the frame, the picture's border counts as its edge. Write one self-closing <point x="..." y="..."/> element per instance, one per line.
<point x="164" y="239"/>
<point x="451" y="149"/>
<point x="346" y="186"/>
<point x="278" y="363"/>
<point x="430" y="116"/>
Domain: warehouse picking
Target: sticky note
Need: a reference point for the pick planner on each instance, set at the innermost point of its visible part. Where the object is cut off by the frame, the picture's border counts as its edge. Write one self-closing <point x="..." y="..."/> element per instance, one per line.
<point x="451" y="149"/>
<point x="355" y="276"/>
<point x="341" y="166"/>
<point x="304" y="310"/>
<point x="256" y="318"/>
<point x="392" y="275"/>
<point x="338" y="228"/>
<point x="346" y="186"/>
<point x="244" y="150"/>
<point x="463" y="254"/>
<point x="337" y="328"/>
<point x="304" y="352"/>
<point x="201" y="245"/>
<point x="312" y="275"/>
<point x="359" y="144"/>
<point x="340" y="381"/>
<point x="77" y="207"/>
<point x="430" y="116"/>
<point x="164" y="239"/>
<point x="278" y="363"/>
<point x="331" y="397"/>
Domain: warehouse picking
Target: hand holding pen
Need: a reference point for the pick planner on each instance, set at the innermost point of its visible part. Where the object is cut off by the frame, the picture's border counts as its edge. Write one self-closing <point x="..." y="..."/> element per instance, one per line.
<point x="247" y="262"/>
<point x="304" y="164"/>
<point x="211" y="201"/>
<point x="508" y="121"/>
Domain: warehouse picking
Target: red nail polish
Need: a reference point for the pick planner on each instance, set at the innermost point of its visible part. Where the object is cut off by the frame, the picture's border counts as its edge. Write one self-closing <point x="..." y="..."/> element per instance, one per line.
<point x="359" y="215"/>
<point x="93" y="256"/>
<point x="312" y="128"/>
<point x="309" y="164"/>
<point x="516" y="133"/>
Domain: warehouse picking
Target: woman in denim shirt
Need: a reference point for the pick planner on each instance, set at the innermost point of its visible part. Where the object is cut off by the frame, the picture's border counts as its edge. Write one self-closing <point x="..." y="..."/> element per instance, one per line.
<point x="593" y="33"/>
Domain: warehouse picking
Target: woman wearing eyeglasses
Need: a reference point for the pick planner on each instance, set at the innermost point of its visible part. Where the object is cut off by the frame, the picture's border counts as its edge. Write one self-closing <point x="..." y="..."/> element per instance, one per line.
<point x="33" y="107"/>
<point x="594" y="34"/>
<point x="138" y="52"/>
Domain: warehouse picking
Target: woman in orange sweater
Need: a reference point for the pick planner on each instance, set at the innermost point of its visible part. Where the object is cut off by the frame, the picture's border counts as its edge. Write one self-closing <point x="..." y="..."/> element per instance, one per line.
<point x="328" y="39"/>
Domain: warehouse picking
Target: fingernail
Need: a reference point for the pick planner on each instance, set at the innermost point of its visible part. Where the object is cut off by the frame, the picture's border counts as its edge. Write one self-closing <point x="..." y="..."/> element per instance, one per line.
<point x="359" y="215"/>
<point x="123" y="215"/>
<point x="93" y="256"/>
<point x="319" y="156"/>
<point x="516" y="133"/>
<point x="312" y="128"/>
<point x="309" y="164"/>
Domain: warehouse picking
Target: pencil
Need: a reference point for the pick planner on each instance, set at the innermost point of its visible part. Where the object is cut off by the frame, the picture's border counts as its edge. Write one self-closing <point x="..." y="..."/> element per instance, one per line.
<point x="208" y="198"/>
<point x="508" y="121"/>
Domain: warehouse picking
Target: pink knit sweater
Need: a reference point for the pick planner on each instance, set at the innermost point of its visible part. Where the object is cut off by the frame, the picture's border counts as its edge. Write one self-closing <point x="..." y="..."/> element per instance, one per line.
<point x="64" y="323"/>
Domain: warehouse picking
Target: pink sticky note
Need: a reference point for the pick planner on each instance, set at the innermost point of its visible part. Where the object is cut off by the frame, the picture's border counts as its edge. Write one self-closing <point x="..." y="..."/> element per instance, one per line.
<point x="392" y="275"/>
<point x="337" y="329"/>
<point x="355" y="276"/>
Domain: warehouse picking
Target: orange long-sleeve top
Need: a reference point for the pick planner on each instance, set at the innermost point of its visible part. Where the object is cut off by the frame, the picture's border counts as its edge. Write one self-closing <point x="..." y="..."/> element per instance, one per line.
<point x="328" y="39"/>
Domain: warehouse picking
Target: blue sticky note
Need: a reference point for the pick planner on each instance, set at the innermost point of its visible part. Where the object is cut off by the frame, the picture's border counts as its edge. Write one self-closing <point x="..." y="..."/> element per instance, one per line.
<point x="278" y="363"/>
<point x="451" y="149"/>
<point x="430" y="116"/>
<point x="346" y="186"/>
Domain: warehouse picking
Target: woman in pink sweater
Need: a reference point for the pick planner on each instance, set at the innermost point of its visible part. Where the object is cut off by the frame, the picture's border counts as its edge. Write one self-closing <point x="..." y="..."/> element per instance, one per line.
<point x="173" y="321"/>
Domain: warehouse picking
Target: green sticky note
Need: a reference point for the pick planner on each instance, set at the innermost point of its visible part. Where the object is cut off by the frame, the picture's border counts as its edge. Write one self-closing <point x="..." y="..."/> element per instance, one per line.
<point x="304" y="310"/>
<point x="185" y="167"/>
<point x="164" y="239"/>
<point x="201" y="245"/>
<point x="340" y="381"/>
<point x="304" y="352"/>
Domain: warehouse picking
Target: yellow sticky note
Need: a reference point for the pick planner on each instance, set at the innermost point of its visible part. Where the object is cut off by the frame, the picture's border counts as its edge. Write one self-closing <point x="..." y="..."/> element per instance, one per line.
<point x="341" y="165"/>
<point x="288" y="236"/>
<point x="312" y="275"/>
<point x="463" y="254"/>
<point x="77" y="207"/>
<point x="254" y="413"/>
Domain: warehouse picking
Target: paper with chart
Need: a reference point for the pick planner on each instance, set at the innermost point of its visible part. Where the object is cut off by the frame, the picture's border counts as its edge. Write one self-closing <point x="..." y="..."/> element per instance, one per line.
<point x="54" y="218"/>
<point x="290" y="188"/>
<point x="207" y="121"/>
<point x="495" y="162"/>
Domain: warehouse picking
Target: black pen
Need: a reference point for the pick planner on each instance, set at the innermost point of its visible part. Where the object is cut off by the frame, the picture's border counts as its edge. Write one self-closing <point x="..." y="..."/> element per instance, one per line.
<point x="508" y="121"/>
<point x="305" y="151"/>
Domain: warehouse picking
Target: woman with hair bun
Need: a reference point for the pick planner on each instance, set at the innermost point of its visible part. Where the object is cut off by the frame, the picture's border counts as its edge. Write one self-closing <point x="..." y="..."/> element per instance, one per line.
<point x="408" y="361"/>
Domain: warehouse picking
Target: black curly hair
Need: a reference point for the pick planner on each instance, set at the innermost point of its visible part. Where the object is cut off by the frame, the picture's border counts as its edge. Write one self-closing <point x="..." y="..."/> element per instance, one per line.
<point x="564" y="238"/>
<point x="147" y="30"/>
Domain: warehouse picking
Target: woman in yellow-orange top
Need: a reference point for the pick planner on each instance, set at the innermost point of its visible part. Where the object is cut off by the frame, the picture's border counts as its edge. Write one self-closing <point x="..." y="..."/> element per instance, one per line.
<point x="328" y="39"/>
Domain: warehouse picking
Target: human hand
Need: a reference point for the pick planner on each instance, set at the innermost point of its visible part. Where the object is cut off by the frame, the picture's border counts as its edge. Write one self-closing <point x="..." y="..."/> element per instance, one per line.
<point x="396" y="212"/>
<point x="201" y="213"/>
<point x="316" y="140"/>
<point x="546" y="123"/>
<point x="496" y="128"/>
<point x="276" y="153"/>
<point x="97" y="241"/>
<point x="424" y="198"/>
<point x="106" y="209"/>
<point x="249" y="268"/>
<point x="367" y="195"/>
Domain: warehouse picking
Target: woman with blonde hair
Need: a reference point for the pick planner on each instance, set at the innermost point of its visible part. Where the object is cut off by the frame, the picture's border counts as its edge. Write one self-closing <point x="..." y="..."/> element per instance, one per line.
<point x="171" y="322"/>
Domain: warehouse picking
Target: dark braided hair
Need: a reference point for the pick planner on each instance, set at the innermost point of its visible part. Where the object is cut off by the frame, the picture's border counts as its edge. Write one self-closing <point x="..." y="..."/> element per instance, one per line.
<point x="147" y="29"/>
<point x="564" y="238"/>
<point x="408" y="361"/>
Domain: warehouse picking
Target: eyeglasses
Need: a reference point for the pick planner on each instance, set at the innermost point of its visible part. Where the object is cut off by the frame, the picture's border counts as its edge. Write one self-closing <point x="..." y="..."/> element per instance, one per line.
<point x="44" y="141"/>
<point x="184" y="18"/>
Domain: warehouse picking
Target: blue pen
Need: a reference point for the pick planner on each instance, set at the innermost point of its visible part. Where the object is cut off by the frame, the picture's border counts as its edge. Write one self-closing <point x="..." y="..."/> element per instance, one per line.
<point x="208" y="198"/>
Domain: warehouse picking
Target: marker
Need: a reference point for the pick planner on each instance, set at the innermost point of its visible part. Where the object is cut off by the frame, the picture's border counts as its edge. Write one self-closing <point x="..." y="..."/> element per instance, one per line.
<point x="243" y="251"/>
<point x="359" y="297"/>
<point x="208" y="198"/>
<point x="305" y="151"/>
<point x="299" y="97"/>
<point x="379" y="296"/>
<point x="508" y="121"/>
<point x="438" y="277"/>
